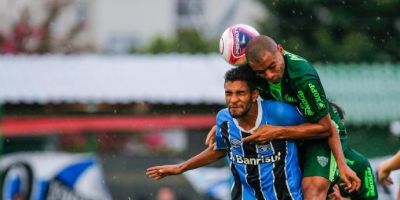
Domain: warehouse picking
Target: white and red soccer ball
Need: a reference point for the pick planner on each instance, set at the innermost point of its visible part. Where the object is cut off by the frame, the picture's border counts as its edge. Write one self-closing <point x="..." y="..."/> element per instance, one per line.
<point x="232" y="44"/>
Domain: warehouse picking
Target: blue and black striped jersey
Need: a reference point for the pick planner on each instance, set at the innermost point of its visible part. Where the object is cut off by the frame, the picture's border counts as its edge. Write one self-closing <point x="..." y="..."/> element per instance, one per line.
<point x="268" y="171"/>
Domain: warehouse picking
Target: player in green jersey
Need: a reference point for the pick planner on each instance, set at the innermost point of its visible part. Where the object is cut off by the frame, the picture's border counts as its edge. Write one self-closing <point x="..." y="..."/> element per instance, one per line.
<point x="292" y="79"/>
<point x="361" y="165"/>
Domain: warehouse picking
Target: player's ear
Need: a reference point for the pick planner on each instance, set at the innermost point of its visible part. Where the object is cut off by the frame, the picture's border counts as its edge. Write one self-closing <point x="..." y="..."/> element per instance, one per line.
<point x="280" y="48"/>
<point x="254" y="95"/>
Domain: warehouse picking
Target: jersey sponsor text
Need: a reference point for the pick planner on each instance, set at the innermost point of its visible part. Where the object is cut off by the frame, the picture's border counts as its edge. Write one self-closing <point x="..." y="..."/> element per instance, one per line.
<point x="238" y="159"/>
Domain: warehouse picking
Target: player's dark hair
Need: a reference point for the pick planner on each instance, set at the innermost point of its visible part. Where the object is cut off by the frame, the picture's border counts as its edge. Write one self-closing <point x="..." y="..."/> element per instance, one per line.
<point x="258" y="46"/>
<point x="244" y="73"/>
<point x="339" y="110"/>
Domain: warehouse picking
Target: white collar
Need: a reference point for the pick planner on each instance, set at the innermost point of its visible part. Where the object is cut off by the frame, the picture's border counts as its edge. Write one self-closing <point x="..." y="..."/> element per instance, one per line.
<point x="258" y="120"/>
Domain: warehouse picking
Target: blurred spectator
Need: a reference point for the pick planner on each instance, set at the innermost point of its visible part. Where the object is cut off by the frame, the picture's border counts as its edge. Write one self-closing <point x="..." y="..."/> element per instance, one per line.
<point x="166" y="193"/>
<point x="22" y="31"/>
<point x="7" y="45"/>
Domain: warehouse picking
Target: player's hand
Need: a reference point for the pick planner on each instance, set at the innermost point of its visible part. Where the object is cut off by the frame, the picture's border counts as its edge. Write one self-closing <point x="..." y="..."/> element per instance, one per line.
<point x="384" y="175"/>
<point x="351" y="182"/>
<point x="159" y="172"/>
<point x="335" y="195"/>
<point x="210" y="139"/>
<point x="262" y="135"/>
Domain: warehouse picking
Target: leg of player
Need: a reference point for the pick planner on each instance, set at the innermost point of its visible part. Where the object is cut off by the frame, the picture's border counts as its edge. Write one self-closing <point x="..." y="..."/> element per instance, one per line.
<point x="315" y="187"/>
<point x="319" y="169"/>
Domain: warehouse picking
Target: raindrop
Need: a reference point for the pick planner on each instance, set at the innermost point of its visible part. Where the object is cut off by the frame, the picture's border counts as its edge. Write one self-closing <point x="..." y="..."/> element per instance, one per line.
<point x="378" y="18"/>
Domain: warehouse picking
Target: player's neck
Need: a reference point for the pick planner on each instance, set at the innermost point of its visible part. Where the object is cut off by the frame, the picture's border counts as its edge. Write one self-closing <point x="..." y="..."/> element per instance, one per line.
<point x="248" y="121"/>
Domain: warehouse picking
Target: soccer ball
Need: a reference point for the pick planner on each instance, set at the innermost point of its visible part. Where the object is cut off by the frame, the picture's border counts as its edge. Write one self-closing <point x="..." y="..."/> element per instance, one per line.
<point x="232" y="44"/>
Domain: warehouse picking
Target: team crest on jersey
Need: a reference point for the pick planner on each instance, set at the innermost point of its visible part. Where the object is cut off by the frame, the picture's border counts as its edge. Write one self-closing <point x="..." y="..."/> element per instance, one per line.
<point x="263" y="147"/>
<point x="235" y="142"/>
<point x="290" y="99"/>
<point x="322" y="160"/>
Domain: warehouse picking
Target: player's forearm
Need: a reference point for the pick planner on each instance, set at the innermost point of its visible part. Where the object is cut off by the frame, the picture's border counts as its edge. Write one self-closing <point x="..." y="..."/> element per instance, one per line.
<point x="333" y="140"/>
<point x="303" y="131"/>
<point x="393" y="163"/>
<point x="336" y="147"/>
<point x="204" y="158"/>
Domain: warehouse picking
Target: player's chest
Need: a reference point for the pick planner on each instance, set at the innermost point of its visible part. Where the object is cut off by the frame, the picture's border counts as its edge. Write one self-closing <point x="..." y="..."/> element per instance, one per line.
<point x="237" y="147"/>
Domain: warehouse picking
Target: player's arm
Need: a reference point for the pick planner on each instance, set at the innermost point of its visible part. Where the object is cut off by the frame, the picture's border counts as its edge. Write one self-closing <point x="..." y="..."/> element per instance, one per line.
<point x="336" y="195"/>
<point x="303" y="131"/>
<point x="386" y="167"/>
<point x="316" y="108"/>
<point x="204" y="158"/>
<point x="286" y="122"/>
<point x="209" y="155"/>
<point x="210" y="139"/>
<point x="322" y="128"/>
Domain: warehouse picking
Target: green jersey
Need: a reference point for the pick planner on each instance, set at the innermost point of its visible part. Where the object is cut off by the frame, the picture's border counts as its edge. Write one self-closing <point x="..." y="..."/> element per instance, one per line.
<point x="301" y="86"/>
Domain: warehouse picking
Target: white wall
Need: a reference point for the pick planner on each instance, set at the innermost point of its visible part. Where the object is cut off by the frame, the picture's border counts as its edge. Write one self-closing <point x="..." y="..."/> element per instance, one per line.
<point x="138" y="20"/>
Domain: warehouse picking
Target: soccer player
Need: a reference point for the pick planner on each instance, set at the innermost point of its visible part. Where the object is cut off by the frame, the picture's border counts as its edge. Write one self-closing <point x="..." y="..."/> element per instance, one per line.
<point x="362" y="167"/>
<point x="259" y="171"/>
<point x="292" y="79"/>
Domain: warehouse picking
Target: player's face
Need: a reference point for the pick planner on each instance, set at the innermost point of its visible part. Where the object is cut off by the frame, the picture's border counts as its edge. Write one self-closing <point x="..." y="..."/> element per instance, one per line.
<point x="239" y="98"/>
<point x="271" y="66"/>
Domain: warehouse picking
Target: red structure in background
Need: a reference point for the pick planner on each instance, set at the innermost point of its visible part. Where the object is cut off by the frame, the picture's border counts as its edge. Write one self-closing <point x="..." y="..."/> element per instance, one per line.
<point x="34" y="125"/>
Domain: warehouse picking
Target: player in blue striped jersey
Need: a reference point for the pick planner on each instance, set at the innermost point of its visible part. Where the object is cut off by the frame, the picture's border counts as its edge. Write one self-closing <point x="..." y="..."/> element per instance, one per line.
<point x="266" y="171"/>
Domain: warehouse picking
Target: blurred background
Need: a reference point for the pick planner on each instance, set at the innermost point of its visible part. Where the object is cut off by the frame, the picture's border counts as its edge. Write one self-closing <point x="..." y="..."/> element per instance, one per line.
<point x="128" y="84"/>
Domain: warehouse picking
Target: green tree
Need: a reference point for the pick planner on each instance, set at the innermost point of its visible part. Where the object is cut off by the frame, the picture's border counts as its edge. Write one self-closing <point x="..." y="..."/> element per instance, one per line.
<point x="336" y="31"/>
<point x="186" y="41"/>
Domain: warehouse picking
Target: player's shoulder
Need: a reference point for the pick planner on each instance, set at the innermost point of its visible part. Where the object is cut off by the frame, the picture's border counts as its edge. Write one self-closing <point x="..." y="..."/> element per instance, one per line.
<point x="298" y="67"/>
<point x="296" y="61"/>
<point x="272" y="106"/>
<point x="280" y="113"/>
<point x="223" y="115"/>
